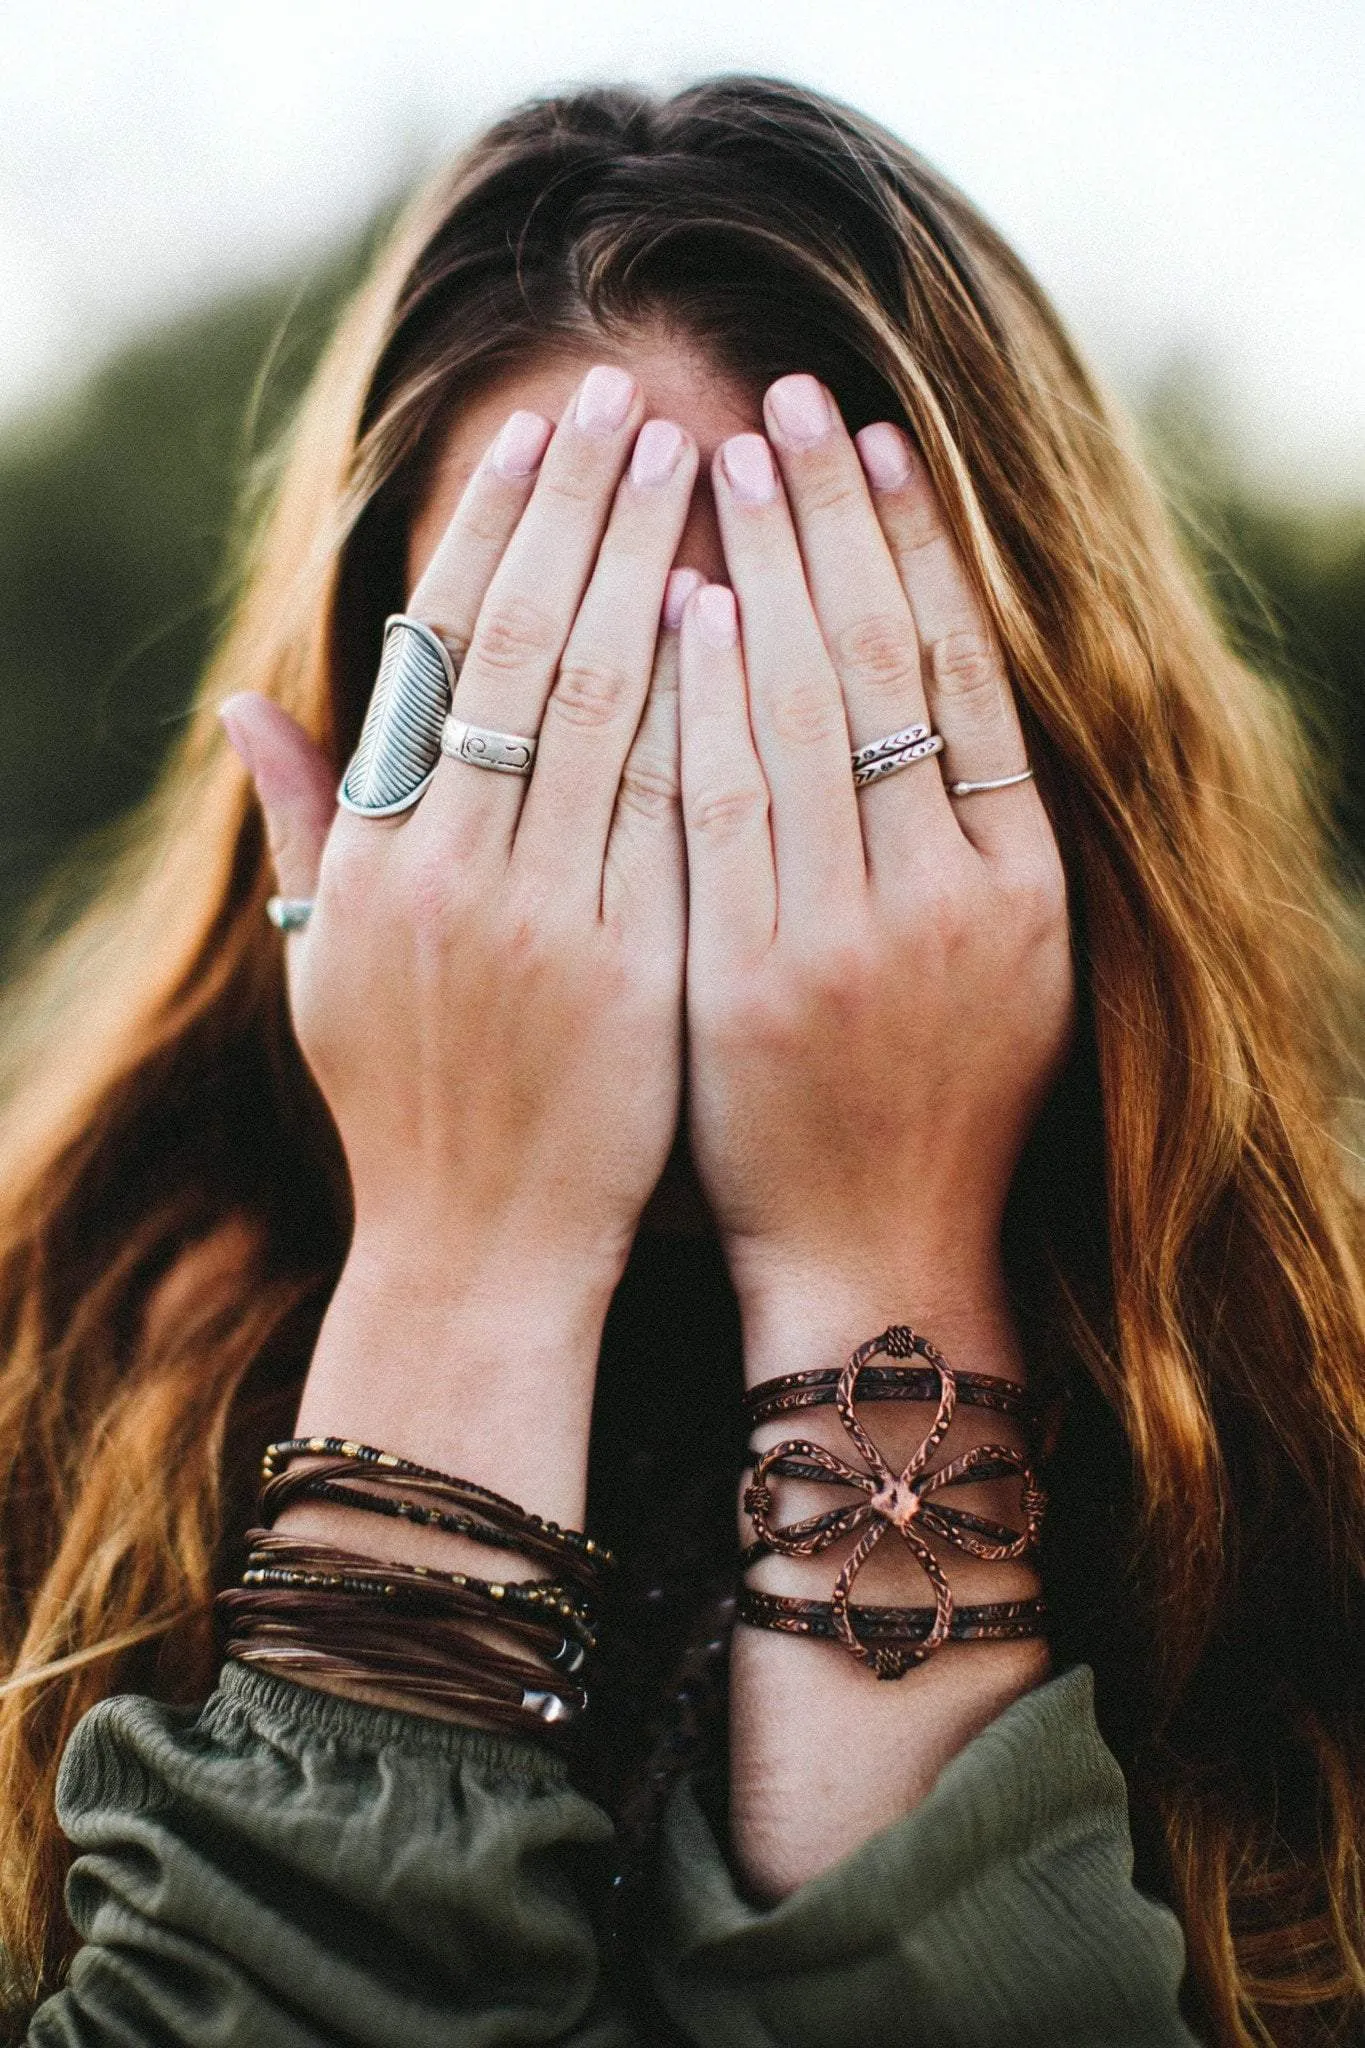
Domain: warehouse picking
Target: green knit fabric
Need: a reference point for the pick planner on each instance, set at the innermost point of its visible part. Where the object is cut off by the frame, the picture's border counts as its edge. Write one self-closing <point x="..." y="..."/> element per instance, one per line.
<point x="285" y="1870"/>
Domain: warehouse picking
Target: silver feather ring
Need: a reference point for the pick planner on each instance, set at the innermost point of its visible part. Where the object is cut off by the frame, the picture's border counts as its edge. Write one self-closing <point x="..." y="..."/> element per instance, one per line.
<point x="400" y="741"/>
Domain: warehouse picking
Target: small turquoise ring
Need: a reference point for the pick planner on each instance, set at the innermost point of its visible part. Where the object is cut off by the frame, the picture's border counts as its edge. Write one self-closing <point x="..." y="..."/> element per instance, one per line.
<point x="289" y="913"/>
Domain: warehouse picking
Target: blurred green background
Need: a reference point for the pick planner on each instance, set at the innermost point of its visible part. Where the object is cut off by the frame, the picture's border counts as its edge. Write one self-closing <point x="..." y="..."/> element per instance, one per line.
<point x="118" y="510"/>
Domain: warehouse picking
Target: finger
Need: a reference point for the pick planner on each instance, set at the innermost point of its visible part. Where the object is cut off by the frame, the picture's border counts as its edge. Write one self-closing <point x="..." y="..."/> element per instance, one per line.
<point x="645" y="872"/>
<point x="593" y="710"/>
<point x="530" y="605"/>
<point x="969" y="693"/>
<point x="795" y="701"/>
<point x="295" y="782"/>
<point x="731" y="877"/>
<point x="453" y="584"/>
<point x="864" y="615"/>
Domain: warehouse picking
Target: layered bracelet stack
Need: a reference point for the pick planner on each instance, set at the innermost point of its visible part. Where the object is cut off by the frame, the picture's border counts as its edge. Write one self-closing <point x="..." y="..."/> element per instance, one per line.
<point x="515" y="1652"/>
<point x="508" y="1652"/>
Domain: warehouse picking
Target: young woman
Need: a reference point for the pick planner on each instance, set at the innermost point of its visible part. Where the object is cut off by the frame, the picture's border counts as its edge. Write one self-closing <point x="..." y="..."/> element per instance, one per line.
<point x="718" y="441"/>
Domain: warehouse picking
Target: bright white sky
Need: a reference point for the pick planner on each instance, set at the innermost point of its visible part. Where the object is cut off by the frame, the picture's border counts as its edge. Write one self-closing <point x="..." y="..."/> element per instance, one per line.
<point x="1182" y="174"/>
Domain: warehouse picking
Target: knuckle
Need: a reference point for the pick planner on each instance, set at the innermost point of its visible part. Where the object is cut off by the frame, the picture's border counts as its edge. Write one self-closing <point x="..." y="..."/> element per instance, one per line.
<point x="918" y="519"/>
<point x="877" y="652"/>
<point x="589" y="691"/>
<point x="429" y="890"/>
<point x="1036" y="890"/>
<point x="721" y="814"/>
<point x="941" y="914"/>
<point x="836" y="978"/>
<point x="570" y="484"/>
<point x="484" y="521"/>
<point x="649" y="785"/>
<point x="527" y="935"/>
<point x="806" y="713"/>
<point x="347" y="868"/>
<point x="825" y="487"/>
<point x="514" y="633"/>
<point x="967" y="669"/>
<point x="754" y="1013"/>
<point x="935" y="918"/>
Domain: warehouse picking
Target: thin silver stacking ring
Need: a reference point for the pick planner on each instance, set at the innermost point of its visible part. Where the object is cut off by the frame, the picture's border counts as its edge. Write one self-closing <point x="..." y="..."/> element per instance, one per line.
<point x="506" y="753"/>
<point x="400" y="741"/>
<point x="898" y="750"/>
<point x="289" y="913"/>
<point x="999" y="782"/>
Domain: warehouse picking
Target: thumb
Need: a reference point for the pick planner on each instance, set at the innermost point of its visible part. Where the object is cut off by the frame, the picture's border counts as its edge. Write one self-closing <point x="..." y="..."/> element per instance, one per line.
<point x="294" y="780"/>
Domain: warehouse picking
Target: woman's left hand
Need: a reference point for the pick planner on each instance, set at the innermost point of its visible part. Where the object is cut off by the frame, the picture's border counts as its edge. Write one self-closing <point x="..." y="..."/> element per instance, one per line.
<point x="880" y="989"/>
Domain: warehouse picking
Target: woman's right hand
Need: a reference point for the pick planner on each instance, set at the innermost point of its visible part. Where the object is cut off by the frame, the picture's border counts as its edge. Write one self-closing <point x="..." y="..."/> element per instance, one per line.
<point x="489" y="989"/>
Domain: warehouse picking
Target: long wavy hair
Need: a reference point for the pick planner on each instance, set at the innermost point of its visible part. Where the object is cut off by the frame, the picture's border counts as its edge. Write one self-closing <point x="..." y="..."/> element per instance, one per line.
<point x="1184" y="1235"/>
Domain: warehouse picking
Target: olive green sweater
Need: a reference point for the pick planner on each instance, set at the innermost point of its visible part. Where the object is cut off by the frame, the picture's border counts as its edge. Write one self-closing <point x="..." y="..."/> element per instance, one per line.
<point x="283" y="1869"/>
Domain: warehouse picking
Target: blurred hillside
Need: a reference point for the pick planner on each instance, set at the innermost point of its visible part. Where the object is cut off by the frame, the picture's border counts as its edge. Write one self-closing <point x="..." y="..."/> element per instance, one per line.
<point x="117" y="515"/>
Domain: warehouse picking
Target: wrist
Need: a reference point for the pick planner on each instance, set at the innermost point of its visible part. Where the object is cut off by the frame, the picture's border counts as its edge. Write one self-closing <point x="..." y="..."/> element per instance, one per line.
<point x="484" y="1370"/>
<point x="801" y="1314"/>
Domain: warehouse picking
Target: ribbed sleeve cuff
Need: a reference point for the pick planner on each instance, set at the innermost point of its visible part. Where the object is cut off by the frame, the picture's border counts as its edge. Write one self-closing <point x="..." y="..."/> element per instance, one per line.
<point x="1000" y="1913"/>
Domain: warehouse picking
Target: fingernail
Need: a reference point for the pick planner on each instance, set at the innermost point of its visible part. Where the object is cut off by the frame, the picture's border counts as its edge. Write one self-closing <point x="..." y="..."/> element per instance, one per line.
<point x="802" y="409"/>
<point x="604" y="399"/>
<point x="657" y="448"/>
<point x="748" y="465"/>
<point x="679" y="587"/>
<point x="717" y="616"/>
<point x="521" y="444"/>
<point x="885" y="452"/>
<point x="237" y="739"/>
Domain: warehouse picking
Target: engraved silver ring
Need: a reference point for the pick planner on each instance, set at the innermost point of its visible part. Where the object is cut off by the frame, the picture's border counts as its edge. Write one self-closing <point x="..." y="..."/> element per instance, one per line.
<point x="400" y="741"/>
<point x="506" y="753"/>
<point x="898" y="750"/>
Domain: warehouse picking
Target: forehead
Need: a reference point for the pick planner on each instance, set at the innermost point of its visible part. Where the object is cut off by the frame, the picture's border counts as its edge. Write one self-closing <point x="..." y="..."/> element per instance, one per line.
<point x="679" y="383"/>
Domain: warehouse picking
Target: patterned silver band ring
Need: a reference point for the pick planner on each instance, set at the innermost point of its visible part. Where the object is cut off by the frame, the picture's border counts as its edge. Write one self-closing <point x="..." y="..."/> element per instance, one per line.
<point x="999" y="782"/>
<point x="289" y="913"/>
<point x="507" y="753"/>
<point x="894" y="743"/>
<point x="889" y="762"/>
<point x="400" y="741"/>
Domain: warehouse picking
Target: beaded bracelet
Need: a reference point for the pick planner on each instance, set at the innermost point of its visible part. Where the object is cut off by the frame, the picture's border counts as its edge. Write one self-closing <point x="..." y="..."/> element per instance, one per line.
<point x="481" y="1514"/>
<point x="890" y="1641"/>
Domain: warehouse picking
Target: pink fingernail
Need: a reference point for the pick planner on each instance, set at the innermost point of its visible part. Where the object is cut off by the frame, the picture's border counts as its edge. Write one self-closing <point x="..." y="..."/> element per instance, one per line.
<point x="521" y="444"/>
<point x="717" y="615"/>
<point x="679" y="587"/>
<point x="604" y="400"/>
<point x="657" y="448"/>
<point x="802" y="409"/>
<point x="237" y="738"/>
<point x="886" y="456"/>
<point x="748" y="465"/>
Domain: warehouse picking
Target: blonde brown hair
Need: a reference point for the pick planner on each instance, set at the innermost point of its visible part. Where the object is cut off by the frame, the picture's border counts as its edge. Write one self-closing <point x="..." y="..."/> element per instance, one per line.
<point x="1185" y="1240"/>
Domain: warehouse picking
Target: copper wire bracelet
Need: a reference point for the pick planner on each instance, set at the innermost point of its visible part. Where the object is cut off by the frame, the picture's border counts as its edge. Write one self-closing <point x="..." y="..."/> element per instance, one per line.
<point x="891" y="1500"/>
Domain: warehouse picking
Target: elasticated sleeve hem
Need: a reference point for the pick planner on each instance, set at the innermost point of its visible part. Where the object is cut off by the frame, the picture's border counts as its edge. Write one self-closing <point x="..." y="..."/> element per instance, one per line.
<point x="286" y="1867"/>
